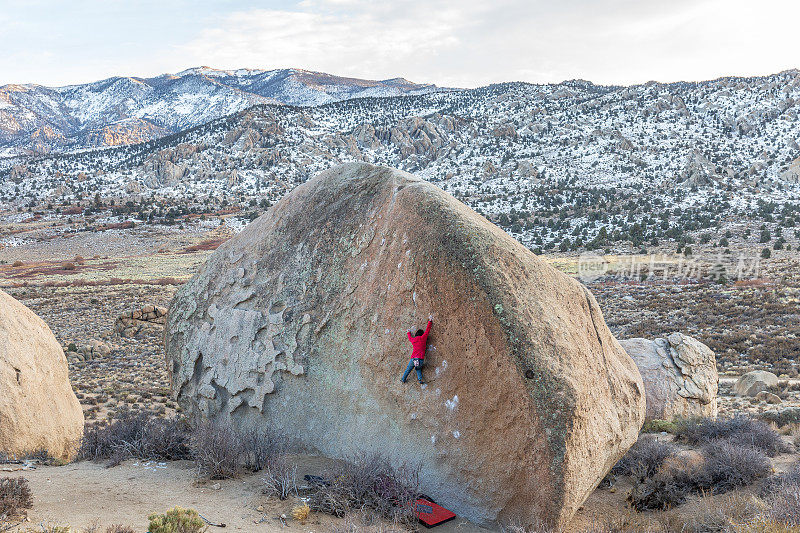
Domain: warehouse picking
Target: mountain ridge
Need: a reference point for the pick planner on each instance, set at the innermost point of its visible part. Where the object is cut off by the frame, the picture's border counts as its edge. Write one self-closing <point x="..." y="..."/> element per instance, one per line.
<point x="119" y="110"/>
<point x="558" y="166"/>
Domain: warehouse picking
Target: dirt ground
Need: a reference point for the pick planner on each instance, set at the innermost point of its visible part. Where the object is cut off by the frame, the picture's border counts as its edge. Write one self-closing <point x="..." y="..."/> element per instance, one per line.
<point x="86" y="494"/>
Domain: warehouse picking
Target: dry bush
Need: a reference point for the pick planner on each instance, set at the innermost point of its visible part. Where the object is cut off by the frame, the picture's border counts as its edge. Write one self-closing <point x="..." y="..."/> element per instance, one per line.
<point x="781" y="492"/>
<point x="730" y="464"/>
<point x="280" y="478"/>
<point x="301" y="512"/>
<point x="17" y="264"/>
<point x="783" y="417"/>
<point x="262" y="447"/>
<point x="647" y="455"/>
<point x="784" y="507"/>
<point x="119" y="528"/>
<point x="15" y="498"/>
<point x="217" y="449"/>
<point x="764" y="524"/>
<point x="726" y="465"/>
<point x="773" y="484"/>
<point x="167" y="281"/>
<point x="68" y="266"/>
<point x="662" y="491"/>
<point x="713" y="513"/>
<point x="142" y="435"/>
<point x="177" y="520"/>
<point x="369" y="483"/>
<point x="210" y="244"/>
<point x="741" y="430"/>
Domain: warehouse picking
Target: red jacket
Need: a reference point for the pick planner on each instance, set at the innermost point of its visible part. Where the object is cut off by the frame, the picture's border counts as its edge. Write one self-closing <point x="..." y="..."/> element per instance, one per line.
<point x="419" y="343"/>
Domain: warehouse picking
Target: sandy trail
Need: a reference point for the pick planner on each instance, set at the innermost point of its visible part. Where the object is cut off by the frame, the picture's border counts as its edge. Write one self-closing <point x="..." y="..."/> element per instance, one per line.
<point x="84" y="493"/>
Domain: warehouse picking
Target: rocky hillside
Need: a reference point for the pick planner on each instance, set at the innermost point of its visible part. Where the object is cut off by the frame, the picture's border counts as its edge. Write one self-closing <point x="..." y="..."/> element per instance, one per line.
<point x="561" y="167"/>
<point x="126" y="110"/>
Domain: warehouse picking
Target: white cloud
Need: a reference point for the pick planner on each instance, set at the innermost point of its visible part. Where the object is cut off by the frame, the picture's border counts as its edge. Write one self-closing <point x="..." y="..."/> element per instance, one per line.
<point x="449" y="42"/>
<point x="365" y="39"/>
<point x="471" y="42"/>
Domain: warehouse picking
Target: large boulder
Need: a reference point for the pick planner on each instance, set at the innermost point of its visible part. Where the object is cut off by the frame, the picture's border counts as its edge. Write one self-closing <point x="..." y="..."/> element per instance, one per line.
<point x="38" y="409"/>
<point x="754" y="382"/>
<point x="299" y="323"/>
<point x="679" y="374"/>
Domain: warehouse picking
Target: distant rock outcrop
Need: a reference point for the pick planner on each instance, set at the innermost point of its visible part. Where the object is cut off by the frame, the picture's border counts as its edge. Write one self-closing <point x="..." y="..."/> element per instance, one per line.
<point x="299" y="322"/>
<point x="94" y="349"/>
<point x="754" y="382"/>
<point x="679" y="374"/>
<point x="149" y="317"/>
<point x="38" y="409"/>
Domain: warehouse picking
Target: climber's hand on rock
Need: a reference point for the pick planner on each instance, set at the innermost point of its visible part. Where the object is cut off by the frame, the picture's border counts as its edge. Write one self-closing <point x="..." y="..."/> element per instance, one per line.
<point x="430" y="318"/>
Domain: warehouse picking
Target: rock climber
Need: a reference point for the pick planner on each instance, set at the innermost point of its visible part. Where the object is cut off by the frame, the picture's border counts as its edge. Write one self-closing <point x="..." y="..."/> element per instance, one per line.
<point x="419" y="342"/>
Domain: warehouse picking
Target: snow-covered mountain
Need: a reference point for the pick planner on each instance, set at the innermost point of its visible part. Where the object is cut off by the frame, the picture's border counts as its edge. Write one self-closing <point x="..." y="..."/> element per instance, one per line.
<point x="559" y="166"/>
<point x="126" y="110"/>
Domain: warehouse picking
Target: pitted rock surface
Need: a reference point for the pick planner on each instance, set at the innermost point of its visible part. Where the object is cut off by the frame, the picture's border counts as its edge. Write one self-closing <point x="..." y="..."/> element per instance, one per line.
<point x="679" y="374"/>
<point x="38" y="409"/>
<point x="299" y="323"/>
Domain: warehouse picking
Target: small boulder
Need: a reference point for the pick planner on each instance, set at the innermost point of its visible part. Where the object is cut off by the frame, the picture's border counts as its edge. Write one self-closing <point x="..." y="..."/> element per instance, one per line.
<point x="38" y="409"/>
<point x="679" y="374"/>
<point x="772" y="399"/>
<point x="754" y="382"/>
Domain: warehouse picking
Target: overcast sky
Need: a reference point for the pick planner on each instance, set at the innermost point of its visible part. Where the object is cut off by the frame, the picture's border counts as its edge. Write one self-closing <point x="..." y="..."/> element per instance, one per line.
<point x="464" y="43"/>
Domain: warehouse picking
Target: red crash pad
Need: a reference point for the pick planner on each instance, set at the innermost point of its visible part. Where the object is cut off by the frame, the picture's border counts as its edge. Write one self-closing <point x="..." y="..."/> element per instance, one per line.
<point x="431" y="514"/>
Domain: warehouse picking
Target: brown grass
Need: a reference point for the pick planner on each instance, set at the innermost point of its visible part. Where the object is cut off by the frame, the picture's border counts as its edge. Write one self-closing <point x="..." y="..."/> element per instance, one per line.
<point x="210" y="244"/>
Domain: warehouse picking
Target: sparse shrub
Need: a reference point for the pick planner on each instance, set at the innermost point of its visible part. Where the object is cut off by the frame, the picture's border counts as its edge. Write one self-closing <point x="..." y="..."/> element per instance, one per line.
<point x="763" y="524"/>
<point x="17" y="264"/>
<point x="176" y="520"/>
<point x="781" y="492"/>
<point x="784" y="507"/>
<point x="262" y="447"/>
<point x="68" y="266"/>
<point x="660" y="426"/>
<point x="217" y="449"/>
<point x="43" y="457"/>
<point x="645" y="457"/>
<point x="726" y="465"/>
<point x="15" y="497"/>
<point x="661" y="491"/>
<point x="739" y="429"/>
<point x="136" y="434"/>
<point x="119" y="528"/>
<point x="782" y="417"/>
<point x="369" y="482"/>
<point x="50" y="528"/>
<point x="715" y="514"/>
<point x="281" y="478"/>
<point x="777" y="482"/>
<point x="731" y="464"/>
<point x="301" y="513"/>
